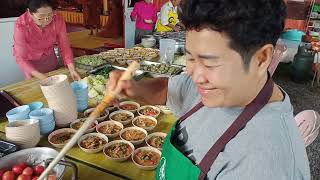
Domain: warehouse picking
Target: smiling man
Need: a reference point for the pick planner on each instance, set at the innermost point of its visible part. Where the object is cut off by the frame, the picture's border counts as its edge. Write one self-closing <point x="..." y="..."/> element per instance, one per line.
<point x="234" y="121"/>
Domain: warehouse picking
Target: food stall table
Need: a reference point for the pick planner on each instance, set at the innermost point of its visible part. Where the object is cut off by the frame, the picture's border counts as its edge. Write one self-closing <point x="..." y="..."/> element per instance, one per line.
<point x="85" y="171"/>
<point x="28" y="91"/>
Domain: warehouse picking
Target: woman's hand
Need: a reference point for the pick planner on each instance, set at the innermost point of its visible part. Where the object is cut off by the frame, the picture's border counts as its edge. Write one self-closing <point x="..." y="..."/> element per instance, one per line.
<point x="39" y="75"/>
<point x="75" y="75"/>
<point x="73" y="72"/>
<point x="148" y="21"/>
<point x="177" y="28"/>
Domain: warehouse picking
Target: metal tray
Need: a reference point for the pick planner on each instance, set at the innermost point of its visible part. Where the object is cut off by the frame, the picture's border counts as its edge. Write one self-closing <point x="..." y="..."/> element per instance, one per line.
<point x="139" y="74"/>
<point x="155" y="74"/>
<point x="86" y="67"/>
<point x="33" y="156"/>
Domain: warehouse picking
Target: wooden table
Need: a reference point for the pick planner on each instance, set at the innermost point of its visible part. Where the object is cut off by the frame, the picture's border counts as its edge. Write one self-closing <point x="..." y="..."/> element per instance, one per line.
<point x="90" y="165"/>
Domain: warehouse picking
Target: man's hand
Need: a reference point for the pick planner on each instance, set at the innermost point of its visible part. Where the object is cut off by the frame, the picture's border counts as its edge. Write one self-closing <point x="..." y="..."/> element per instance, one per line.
<point x="151" y="91"/>
<point x="128" y="88"/>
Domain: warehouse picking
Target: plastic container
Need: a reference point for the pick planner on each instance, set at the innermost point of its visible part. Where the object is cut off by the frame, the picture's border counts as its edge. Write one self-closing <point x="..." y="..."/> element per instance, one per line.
<point x="291" y="44"/>
<point x="61" y="99"/>
<point x="35" y="105"/>
<point x="167" y="50"/>
<point x="293" y="35"/>
<point x="46" y="119"/>
<point x="80" y="90"/>
<point x="18" y="113"/>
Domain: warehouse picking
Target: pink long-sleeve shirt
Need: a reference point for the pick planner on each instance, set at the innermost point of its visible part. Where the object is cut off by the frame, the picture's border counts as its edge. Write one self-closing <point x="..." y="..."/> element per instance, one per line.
<point x="142" y="11"/>
<point x="31" y="43"/>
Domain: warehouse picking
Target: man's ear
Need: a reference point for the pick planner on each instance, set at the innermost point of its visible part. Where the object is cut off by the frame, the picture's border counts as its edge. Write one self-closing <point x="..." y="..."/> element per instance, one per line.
<point x="262" y="58"/>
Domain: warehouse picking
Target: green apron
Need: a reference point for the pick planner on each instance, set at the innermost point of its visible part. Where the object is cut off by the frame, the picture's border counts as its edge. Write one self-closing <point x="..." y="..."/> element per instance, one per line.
<point x="175" y="165"/>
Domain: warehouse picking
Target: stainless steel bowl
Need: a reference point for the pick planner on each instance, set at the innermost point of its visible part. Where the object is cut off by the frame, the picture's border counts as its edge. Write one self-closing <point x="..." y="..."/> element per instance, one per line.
<point x="33" y="156"/>
<point x="148" y="36"/>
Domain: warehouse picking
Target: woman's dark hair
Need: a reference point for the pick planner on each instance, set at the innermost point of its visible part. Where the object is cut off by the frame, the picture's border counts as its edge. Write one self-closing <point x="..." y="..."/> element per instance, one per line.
<point x="250" y="24"/>
<point x="34" y="5"/>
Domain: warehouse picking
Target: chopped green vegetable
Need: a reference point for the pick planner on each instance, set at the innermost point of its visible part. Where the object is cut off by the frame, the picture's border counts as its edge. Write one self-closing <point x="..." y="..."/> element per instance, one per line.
<point x="96" y="85"/>
<point x="160" y="69"/>
<point x="90" y="60"/>
<point x="105" y="72"/>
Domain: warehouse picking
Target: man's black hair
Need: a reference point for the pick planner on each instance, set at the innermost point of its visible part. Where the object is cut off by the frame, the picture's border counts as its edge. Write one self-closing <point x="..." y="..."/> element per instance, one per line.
<point x="250" y="24"/>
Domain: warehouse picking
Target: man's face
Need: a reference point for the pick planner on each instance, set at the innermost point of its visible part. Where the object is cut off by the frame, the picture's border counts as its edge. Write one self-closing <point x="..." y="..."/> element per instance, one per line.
<point x="218" y="71"/>
<point x="176" y="2"/>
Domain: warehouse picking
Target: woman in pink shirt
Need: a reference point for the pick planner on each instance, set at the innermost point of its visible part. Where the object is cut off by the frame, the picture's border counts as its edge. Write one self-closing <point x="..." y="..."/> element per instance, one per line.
<point x="36" y="33"/>
<point x="145" y="15"/>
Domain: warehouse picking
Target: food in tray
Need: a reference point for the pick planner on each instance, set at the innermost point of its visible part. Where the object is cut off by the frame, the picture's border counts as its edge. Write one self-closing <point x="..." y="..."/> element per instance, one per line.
<point x="118" y="150"/>
<point x="136" y="53"/>
<point x="90" y="60"/>
<point x="149" y="111"/>
<point x="96" y="86"/>
<point x="133" y="135"/>
<point x="160" y="69"/>
<point x="156" y="141"/>
<point x="144" y="122"/>
<point x="105" y="71"/>
<point x="121" y="117"/>
<point x="61" y="138"/>
<point x="146" y="157"/>
<point x="181" y="60"/>
<point x="93" y="142"/>
<point x="110" y="129"/>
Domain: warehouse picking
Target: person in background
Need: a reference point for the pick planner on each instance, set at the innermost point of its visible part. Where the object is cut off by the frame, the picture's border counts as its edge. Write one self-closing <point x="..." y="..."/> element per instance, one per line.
<point x="235" y="122"/>
<point x="92" y="9"/>
<point x="114" y="26"/>
<point x="145" y="15"/>
<point x="36" y="33"/>
<point x="168" y="20"/>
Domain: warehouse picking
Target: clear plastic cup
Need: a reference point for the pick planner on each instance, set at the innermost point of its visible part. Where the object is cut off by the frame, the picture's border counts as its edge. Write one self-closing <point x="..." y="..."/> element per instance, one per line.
<point x="167" y="50"/>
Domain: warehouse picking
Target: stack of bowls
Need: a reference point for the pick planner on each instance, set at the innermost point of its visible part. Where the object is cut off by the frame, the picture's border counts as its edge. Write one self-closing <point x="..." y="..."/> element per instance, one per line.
<point x="35" y="105"/>
<point x="80" y="89"/>
<point x="46" y="119"/>
<point x="18" y="113"/>
<point x="60" y="98"/>
<point x="25" y="133"/>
